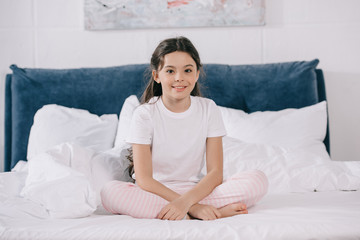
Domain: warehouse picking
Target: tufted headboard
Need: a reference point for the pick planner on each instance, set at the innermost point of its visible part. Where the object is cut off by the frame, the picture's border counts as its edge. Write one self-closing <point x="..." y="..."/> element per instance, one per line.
<point x="251" y="88"/>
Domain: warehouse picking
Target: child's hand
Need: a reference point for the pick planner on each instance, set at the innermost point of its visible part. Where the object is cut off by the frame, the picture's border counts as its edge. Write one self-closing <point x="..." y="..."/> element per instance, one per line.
<point x="204" y="212"/>
<point x="175" y="210"/>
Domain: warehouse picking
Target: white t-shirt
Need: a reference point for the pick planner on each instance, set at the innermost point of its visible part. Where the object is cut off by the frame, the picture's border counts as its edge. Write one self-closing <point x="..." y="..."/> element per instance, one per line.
<point x="178" y="140"/>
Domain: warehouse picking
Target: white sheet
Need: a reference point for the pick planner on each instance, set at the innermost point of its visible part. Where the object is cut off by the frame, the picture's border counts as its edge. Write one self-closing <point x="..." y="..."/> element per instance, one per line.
<point x="312" y="215"/>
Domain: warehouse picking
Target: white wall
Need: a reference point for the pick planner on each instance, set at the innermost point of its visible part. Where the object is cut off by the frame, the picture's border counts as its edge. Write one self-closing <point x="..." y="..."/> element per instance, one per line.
<point x="50" y="34"/>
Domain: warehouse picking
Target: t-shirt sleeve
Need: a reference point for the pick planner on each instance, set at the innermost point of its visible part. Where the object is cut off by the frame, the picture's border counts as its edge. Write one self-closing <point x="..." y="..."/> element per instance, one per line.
<point x="216" y="127"/>
<point x="141" y="127"/>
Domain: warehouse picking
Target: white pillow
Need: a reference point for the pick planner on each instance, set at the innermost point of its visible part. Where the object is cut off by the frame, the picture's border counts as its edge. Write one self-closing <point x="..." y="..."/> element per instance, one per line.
<point x="60" y="180"/>
<point x="67" y="179"/>
<point x="288" y="169"/>
<point x="286" y="128"/>
<point x="54" y="124"/>
<point x="125" y="116"/>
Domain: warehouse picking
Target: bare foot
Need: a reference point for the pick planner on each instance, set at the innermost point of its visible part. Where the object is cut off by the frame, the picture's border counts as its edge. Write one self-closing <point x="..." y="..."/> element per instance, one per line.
<point x="233" y="209"/>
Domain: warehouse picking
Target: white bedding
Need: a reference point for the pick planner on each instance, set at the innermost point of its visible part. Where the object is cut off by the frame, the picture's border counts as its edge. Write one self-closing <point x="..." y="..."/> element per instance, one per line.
<point x="303" y="214"/>
<point x="310" y="196"/>
<point x="311" y="215"/>
<point x="66" y="180"/>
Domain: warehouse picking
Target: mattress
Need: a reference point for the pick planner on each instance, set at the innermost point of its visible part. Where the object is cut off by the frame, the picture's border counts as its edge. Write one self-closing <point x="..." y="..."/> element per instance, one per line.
<point x="308" y="215"/>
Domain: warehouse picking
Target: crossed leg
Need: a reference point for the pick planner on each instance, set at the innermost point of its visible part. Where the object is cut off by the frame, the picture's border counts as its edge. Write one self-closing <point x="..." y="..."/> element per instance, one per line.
<point x="232" y="197"/>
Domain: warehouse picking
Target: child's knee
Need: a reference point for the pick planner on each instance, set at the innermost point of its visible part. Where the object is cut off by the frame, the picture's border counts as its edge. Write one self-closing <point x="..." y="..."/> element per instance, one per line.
<point x="264" y="182"/>
<point x="112" y="186"/>
<point x="261" y="176"/>
<point x="255" y="178"/>
<point x="113" y="194"/>
<point x="106" y="190"/>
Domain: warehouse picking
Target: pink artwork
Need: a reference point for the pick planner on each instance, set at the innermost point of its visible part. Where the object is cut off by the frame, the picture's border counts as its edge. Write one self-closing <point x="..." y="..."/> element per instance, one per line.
<point x="129" y="14"/>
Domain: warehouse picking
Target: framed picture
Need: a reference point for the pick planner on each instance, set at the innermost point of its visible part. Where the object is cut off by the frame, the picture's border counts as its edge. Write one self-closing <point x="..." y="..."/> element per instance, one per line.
<point x="135" y="14"/>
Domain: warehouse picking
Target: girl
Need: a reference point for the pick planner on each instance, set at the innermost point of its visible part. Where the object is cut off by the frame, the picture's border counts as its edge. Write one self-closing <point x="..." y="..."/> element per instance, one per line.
<point x="171" y="132"/>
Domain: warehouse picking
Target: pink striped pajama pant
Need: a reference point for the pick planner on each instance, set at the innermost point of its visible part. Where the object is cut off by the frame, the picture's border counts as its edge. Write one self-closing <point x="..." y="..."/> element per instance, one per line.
<point x="129" y="199"/>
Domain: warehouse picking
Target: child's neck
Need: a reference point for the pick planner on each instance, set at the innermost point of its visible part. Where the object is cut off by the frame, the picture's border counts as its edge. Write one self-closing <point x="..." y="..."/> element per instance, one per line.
<point x="176" y="106"/>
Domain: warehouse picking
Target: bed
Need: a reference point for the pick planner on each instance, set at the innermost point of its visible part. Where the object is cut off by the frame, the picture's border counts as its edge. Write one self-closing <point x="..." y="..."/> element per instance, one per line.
<point x="64" y="138"/>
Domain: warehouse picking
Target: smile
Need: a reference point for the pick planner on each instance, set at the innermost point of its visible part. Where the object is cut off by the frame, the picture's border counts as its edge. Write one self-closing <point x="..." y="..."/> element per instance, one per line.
<point x="179" y="88"/>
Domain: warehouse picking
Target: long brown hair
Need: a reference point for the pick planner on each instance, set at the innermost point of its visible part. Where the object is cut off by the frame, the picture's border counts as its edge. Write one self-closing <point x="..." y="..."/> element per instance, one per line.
<point x="181" y="44"/>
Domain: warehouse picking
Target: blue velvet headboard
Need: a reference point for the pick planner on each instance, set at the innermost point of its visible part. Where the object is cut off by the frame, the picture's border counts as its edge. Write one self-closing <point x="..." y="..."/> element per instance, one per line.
<point x="252" y="88"/>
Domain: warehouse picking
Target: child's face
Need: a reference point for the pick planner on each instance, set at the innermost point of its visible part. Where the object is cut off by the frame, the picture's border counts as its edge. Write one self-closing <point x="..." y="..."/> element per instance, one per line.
<point x="178" y="75"/>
